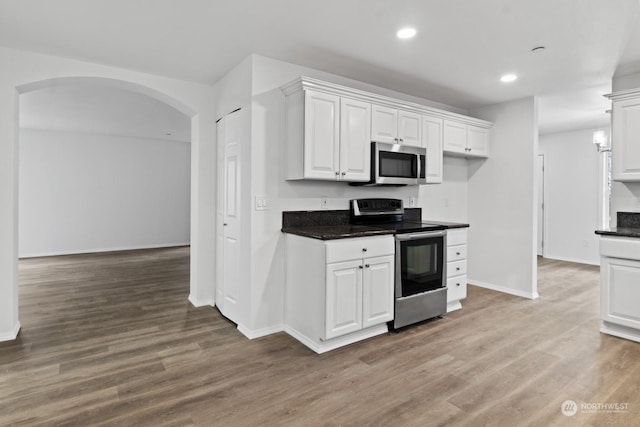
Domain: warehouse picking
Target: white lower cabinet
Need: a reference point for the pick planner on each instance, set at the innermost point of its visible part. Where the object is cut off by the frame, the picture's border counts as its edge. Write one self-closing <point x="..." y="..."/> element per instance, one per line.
<point x="620" y="286"/>
<point x="338" y="291"/>
<point x="456" y="268"/>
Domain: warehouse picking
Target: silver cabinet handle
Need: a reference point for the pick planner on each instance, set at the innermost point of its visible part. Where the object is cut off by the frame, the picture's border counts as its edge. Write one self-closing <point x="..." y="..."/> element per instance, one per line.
<point x="457" y="284"/>
<point x="401" y="140"/>
<point x="224" y="225"/>
<point x="337" y="173"/>
<point x="457" y="268"/>
<point x="366" y="265"/>
<point x="360" y="267"/>
<point x="364" y="249"/>
<point x="457" y="253"/>
<point x="344" y="173"/>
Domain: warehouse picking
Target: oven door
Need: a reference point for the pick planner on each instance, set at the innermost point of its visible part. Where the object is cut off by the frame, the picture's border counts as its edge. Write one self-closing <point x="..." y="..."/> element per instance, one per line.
<point x="420" y="263"/>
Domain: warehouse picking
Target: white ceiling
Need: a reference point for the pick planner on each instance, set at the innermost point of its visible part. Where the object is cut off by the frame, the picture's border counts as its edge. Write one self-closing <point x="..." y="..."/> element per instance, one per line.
<point x="461" y="49"/>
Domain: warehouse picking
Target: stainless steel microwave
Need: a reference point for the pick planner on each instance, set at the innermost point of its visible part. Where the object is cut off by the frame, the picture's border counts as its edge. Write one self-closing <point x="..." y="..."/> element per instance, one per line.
<point x="395" y="164"/>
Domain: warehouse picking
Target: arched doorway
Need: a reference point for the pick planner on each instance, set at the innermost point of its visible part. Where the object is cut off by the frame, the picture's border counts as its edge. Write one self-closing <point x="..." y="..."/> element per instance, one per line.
<point x="203" y="134"/>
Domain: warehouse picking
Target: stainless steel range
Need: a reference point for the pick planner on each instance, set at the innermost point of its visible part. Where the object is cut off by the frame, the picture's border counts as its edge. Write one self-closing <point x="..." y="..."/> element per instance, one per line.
<point x="420" y="278"/>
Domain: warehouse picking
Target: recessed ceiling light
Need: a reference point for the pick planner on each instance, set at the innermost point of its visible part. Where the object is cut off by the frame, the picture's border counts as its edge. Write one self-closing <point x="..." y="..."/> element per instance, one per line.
<point x="508" y="78"/>
<point x="406" y="33"/>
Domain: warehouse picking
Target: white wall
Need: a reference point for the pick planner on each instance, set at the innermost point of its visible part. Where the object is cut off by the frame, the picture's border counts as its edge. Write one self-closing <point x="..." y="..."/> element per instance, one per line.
<point x="25" y="71"/>
<point x="502" y="202"/>
<point x="82" y="192"/>
<point x="267" y="179"/>
<point x="625" y="196"/>
<point x="571" y="188"/>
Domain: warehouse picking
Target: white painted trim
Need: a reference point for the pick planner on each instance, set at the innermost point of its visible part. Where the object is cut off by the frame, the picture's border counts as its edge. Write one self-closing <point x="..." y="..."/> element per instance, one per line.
<point x="620" y="331"/>
<point x="577" y="261"/>
<point x="99" y="250"/>
<point x="196" y="303"/>
<point x="259" y="332"/>
<point x="332" y="344"/>
<point x="623" y="94"/>
<point x="453" y="306"/>
<point x="11" y="335"/>
<point x="518" y="293"/>
<point x="303" y="83"/>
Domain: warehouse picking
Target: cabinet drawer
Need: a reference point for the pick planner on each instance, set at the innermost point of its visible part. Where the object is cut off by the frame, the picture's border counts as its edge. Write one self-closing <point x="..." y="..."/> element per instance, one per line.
<point x="457" y="236"/>
<point x="456" y="268"/>
<point x="456" y="288"/>
<point x="456" y="253"/>
<point x="358" y="248"/>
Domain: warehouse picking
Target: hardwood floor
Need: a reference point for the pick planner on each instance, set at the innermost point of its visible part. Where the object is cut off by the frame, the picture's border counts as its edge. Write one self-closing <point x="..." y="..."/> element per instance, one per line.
<point x="110" y="339"/>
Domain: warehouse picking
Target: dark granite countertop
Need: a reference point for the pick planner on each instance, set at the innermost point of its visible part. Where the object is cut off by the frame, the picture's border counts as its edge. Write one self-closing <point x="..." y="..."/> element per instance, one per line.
<point x="628" y="226"/>
<point x="329" y="225"/>
<point x="620" y="232"/>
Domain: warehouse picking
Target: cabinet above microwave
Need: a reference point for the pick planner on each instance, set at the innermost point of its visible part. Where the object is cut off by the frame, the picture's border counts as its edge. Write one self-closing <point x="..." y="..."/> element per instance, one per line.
<point x="329" y="130"/>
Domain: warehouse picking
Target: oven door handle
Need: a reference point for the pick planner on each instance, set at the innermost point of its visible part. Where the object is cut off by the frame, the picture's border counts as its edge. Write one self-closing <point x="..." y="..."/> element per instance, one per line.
<point x="415" y="236"/>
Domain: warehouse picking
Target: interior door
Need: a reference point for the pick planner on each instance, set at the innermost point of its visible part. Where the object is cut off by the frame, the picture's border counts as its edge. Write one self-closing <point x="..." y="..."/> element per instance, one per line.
<point x="229" y="215"/>
<point x="540" y="180"/>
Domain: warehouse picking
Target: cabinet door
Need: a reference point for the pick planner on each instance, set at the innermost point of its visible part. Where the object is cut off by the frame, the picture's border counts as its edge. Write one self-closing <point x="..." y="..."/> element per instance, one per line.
<point x="344" y="298"/>
<point x="455" y="137"/>
<point x="355" y="140"/>
<point x="620" y="291"/>
<point x="478" y="141"/>
<point x="410" y="128"/>
<point x="626" y="136"/>
<point x="432" y="141"/>
<point x="321" y="136"/>
<point x="384" y="124"/>
<point x="456" y="288"/>
<point x="377" y="290"/>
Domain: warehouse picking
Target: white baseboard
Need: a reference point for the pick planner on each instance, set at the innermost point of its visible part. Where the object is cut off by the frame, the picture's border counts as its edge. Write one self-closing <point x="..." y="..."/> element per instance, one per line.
<point x="516" y="292"/>
<point x="200" y="303"/>
<point x="100" y="250"/>
<point x="260" y="332"/>
<point x="620" y="331"/>
<point x="453" y="306"/>
<point x="10" y="336"/>
<point x="332" y="344"/>
<point x="577" y="261"/>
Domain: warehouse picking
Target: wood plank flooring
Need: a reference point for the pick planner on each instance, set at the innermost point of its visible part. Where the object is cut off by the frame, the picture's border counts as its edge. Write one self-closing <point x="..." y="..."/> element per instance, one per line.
<point x="110" y="339"/>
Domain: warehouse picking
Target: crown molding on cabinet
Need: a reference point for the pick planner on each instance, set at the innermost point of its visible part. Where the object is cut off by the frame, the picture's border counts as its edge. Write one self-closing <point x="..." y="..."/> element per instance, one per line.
<point x="303" y="82"/>
<point x="624" y="94"/>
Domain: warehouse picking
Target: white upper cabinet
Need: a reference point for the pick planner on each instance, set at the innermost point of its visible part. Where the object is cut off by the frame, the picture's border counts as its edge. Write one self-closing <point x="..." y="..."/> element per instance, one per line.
<point x="395" y="126"/>
<point x="465" y="140"/>
<point x="321" y="135"/>
<point x="410" y="128"/>
<point x="329" y="129"/>
<point x="432" y="141"/>
<point x="384" y="124"/>
<point x="478" y="141"/>
<point x="355" y="140"/>
<point x="625" y="144"/>
<point x="455" y="137"/>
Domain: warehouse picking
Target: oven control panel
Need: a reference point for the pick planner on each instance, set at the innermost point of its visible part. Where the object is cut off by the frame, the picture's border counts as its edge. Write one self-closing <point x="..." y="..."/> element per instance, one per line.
<point x="362" y="207"/>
